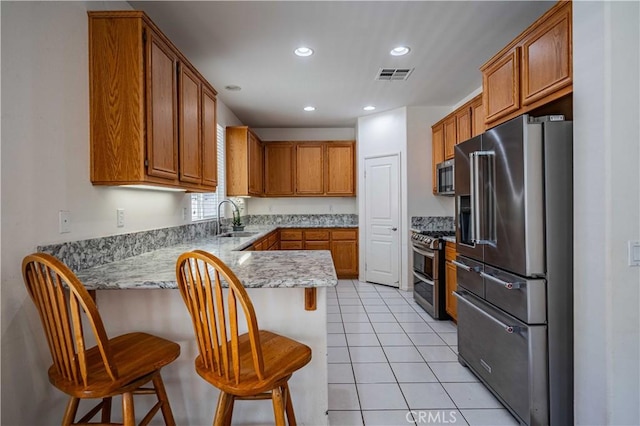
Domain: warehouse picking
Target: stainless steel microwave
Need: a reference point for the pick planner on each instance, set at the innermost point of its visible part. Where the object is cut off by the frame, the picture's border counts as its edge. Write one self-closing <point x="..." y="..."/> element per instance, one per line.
<point x="445" y="184"/>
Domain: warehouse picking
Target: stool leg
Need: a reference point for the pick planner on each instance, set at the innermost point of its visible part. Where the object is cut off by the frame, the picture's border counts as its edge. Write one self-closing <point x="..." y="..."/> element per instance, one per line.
<point x="291" y="417"/>
<point x="164" y="400"/>
<point x="278" y="406"/>
<point x="128" y="413"/>
<point x="70" y="412"/>
<point x="225" y="403"/>
<point x="106" y="410"/>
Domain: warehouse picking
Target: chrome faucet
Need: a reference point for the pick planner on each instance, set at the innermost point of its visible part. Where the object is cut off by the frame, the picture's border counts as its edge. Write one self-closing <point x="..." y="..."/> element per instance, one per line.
<point x="236" y="210"/>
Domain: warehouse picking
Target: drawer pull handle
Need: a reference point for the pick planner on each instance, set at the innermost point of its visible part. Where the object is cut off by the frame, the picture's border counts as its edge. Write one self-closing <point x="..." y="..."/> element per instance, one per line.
<point x="466" y="267"/>
<point x="505" y="284"/>
<point x="507" y="328"/>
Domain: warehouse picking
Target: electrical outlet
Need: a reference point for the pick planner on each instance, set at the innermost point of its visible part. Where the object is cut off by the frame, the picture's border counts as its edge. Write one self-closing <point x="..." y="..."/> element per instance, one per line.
<point x="64" y="221"/>
<point x="184" y="213"/>
<point x="330" y="208"/>
<point x="120" y="218"/>
<point x="633" y="253"/>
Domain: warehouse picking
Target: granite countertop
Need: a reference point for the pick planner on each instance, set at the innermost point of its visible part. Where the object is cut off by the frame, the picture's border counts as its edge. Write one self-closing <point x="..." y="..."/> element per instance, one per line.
<point x="156" y="269"/>
<point x="451" y="239"/>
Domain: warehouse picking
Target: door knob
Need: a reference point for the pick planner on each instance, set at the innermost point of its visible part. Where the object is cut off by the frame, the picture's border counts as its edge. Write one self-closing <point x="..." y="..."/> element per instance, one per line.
<point x="394" y="229"/>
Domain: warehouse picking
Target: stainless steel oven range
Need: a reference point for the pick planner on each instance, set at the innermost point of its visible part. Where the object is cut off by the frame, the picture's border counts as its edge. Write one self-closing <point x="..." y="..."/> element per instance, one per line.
<point x="428" y="271"/>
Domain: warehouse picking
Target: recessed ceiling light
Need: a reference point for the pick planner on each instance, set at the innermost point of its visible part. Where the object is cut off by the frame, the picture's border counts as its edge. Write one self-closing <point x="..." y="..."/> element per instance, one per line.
<point x="303" y="51"/>
<point x="400" y="51"/>
<point x="369" y="108"/>
<point x="233" y="88"/>
<point x="309" y="108"/>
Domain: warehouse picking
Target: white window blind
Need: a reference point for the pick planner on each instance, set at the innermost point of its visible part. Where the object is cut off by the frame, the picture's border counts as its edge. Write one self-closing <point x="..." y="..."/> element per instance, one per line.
<point x="204" y="206"/>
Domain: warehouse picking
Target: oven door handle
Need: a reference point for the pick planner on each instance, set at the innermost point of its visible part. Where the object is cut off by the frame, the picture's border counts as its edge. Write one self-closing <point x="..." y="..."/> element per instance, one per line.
<point x="422" y="278"/>
<point x="508" y="328"/>
<point x="424" y="253"/>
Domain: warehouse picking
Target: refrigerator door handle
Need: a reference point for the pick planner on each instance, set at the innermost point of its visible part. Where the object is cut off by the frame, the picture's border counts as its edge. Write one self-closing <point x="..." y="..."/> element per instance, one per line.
<point x="505" y="284"/>
<point x="482" y="200"/>
<point x="508" y="328"/>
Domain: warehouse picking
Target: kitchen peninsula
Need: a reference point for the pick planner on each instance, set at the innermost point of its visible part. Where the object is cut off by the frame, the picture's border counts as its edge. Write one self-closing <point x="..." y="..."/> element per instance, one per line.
<point x="276" y="281"/>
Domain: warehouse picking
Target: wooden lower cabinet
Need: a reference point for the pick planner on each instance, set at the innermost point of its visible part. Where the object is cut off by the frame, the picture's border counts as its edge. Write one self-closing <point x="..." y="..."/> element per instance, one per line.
<point x="342" y="242"/>
<point x="451" y="284"/>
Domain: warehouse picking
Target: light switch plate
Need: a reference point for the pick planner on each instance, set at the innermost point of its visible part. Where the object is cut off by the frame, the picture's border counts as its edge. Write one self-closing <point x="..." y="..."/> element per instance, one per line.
<point x="120" y="218"/>
<point x="634" y="253"/>
<point x="64" y="221"/>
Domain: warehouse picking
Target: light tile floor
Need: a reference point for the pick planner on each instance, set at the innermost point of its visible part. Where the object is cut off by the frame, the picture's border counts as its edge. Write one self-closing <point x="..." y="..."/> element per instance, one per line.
<point x="390" y="363"/>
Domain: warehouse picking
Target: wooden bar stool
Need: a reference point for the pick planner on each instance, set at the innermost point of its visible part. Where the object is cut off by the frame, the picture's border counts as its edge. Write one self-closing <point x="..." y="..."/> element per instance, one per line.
<point x="117" y="366"/>
<point x="254" y="365"/>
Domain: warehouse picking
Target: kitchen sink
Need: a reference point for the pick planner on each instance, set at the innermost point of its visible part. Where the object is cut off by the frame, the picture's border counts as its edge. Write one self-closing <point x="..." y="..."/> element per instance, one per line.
<point x="238" y="234"/>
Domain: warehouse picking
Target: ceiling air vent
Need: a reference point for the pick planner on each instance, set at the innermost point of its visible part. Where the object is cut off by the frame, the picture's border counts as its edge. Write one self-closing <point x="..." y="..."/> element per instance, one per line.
<point x="393" y="74"/>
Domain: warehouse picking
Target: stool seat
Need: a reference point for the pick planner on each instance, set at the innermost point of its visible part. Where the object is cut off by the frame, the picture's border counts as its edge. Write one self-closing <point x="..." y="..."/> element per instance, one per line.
<point x="136" y="354"/>
<point x="282" y="356"/>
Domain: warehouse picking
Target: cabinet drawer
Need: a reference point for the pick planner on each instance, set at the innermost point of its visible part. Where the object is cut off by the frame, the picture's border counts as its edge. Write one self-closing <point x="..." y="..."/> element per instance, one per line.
<point x="346" y="234"/>
<point x="316" y="245"/>
<point x="316" y="235"/>
<point x="290" y="245"/>
<point x="290" y="235"/>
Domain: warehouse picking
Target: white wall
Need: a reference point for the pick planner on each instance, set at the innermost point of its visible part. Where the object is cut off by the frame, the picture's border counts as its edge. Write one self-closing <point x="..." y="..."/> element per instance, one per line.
<point x="607" y="211"/>
<point x="421" y="201"/>
<point x="45" y="168"/>
<point x="306" y="205"/>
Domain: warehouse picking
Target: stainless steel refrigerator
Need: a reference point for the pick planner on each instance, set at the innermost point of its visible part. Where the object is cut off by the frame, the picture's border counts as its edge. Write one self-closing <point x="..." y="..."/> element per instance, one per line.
<point x="514" y="234"/>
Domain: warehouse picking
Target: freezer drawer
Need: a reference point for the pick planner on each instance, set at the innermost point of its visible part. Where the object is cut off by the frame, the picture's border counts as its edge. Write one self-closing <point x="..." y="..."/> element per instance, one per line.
<point x="509" y="356"/>
<point x="468" y="275"/>
<point x="523" y="298"/>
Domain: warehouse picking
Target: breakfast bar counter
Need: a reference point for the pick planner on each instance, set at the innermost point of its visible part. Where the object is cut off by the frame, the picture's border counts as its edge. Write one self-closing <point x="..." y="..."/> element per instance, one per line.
<point x="278" y="283"/>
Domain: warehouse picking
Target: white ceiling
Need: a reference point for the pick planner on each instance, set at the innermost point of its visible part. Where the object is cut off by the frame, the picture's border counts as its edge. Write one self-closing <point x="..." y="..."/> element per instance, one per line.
<point x="250" y="44"/>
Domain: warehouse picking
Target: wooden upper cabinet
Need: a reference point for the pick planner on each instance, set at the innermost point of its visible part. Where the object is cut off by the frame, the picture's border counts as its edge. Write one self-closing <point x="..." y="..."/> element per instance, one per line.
<point x="209" y="138"/>
<point x="437" y="147"/>
<point x="245" y="162"/>
<point x="501" y="85"/>
<point x="463" y="124"/>
<point x="162" y="137"/>
<point x="450" y="136"/>
<point x="531" y="71"/>
<point x="340" y="169"/>
<point x="547" y="57"/>
<point x="310" y="159"/>
<point x="477" y="116"/>
<point x="256" y="165"/>
<point x="189" y="125"/>
<point x="279" y="167"/>
<point x="145" y="106"/>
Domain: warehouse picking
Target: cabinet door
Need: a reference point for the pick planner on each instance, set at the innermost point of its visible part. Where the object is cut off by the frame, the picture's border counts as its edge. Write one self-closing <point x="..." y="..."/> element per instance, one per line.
<point x="437" y="147"/>
<point x="209" y="139"/>
<point x="450" y="137"/>
<point x="162" y="117"/>
<point x="463" y="125"/>
<point x="340" y="173"/>
<point x="189" y="125"/>
<point x="309" y="169"/>
<point x="546" y="57"/>
<point x="256" y="165"/>
<point x="345" y="258"/>
<point x="279" y="165"/>
<point x="477" y="117"/>
<point x="501" y="86"/>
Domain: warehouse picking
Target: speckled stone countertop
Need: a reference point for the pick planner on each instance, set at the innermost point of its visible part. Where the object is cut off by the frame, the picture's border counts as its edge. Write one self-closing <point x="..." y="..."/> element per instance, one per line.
<point x="156" y="269"/>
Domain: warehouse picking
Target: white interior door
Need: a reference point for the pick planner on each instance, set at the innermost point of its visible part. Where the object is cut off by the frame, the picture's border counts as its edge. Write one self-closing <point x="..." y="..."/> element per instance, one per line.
<point x="382" y="220"/>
